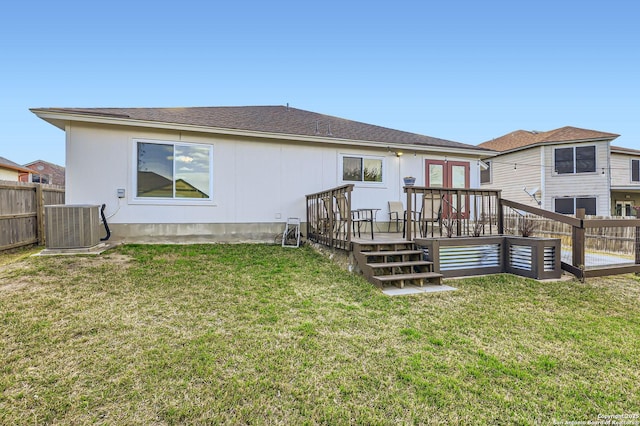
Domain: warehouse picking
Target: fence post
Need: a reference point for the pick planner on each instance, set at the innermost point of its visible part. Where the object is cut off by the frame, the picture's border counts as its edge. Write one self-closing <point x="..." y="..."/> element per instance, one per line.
<point x="578" y="236"/>
<point x="500" y="214"/>
<point x="636" y="249"/>
<point x="40" y="235"/>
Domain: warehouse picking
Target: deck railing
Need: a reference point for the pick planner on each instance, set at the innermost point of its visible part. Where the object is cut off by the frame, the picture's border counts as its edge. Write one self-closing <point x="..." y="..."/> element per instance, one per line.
<point x="454" y="211"/>
<point x="329" y="217"/>
<point x="591" y="247"/>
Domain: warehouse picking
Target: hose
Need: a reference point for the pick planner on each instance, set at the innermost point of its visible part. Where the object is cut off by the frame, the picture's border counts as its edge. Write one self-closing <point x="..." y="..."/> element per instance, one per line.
<point x="104" y="221"/>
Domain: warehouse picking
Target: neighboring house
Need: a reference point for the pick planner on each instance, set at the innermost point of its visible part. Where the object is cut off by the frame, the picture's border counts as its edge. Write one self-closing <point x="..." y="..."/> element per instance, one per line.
<point x="625" y="181"/>
<point x="43" y="172"/>
<point x="560" y="170"/>
<point x="11" y="171"/>
<point x="237" y="173"/>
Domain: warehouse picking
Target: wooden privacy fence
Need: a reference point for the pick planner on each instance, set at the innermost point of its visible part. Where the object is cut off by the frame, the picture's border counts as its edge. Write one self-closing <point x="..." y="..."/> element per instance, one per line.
<point x="22" y="212"/>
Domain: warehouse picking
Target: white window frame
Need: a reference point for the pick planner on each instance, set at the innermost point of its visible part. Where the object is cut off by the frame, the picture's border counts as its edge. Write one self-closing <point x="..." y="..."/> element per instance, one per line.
<point x="362" y="183"/>
<point x="489" y="169"/>
<point x="574" y="202"/>
<point x="135" y="199"/>
<point x="631" y="160"/>
<point x="575" y="162"/>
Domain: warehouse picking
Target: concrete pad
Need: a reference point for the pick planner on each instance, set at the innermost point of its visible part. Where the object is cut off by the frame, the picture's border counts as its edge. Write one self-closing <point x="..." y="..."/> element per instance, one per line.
<point x="95" y="250"/>
<point x="411" y="289"/>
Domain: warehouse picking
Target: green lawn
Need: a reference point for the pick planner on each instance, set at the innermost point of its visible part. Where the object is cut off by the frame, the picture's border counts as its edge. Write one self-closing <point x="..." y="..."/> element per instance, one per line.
<point x="258" y="334"/>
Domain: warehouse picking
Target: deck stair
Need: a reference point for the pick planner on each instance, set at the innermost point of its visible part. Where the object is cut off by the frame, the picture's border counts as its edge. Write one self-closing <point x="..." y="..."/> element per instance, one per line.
<point x="394" y="263"/>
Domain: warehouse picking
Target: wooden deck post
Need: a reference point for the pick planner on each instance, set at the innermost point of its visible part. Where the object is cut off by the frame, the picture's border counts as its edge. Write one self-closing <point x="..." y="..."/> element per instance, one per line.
<point x="637" y="247"/>
<point x="409" y="223"/>
<point x="578" y="237"/>
<point x="500" y="214"/>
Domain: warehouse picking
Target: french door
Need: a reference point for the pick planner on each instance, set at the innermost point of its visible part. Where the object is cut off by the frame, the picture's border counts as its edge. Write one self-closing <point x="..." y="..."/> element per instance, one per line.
<point x="449" y="174"/>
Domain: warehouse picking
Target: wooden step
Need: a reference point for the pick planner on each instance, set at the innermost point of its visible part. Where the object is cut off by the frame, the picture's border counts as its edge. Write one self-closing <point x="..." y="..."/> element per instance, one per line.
<point x="393" y="264"/>
<point x="390" y="253"/>
<point x="399" y="279"/>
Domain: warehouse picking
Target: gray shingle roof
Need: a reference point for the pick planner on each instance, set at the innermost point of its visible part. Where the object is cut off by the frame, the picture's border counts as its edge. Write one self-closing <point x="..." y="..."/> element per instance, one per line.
<point x="270" y="119"/>
<point x="8" y="164"/>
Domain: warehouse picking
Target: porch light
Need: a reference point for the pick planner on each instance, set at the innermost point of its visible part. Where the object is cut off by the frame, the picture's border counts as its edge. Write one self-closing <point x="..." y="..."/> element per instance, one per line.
<point x="399" y="154"/>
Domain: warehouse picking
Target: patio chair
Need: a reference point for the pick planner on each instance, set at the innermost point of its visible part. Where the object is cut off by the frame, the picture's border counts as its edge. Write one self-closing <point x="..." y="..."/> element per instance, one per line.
<point x="343" y="217"/>
<point x="431" y="213"/>
<point x="396" y="212"/>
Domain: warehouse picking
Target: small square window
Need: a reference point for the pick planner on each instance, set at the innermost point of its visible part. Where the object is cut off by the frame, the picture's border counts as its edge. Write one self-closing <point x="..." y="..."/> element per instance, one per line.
<point x="485" y="174"/>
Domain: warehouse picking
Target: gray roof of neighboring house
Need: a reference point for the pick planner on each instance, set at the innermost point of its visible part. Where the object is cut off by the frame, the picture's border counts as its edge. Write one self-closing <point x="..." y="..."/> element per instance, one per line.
<point x="8" y="164"/>
<point x="268" y="119"/>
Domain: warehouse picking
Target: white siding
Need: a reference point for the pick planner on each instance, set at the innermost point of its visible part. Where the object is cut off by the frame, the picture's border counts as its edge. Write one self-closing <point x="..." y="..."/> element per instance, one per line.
<point x="254" y="181"/>
<point x="512" y="172"/>
<point x="589" y="185"/>
<point x="621" y="169"/>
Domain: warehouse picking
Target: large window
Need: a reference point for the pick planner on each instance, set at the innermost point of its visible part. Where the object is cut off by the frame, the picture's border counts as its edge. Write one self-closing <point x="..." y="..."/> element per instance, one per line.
<point x="362" y="169"/>
<point x="569" y="205"/>
<point x="173" y="170"/>
<point x="635" y="170"/>
<point x="577" y="159"/>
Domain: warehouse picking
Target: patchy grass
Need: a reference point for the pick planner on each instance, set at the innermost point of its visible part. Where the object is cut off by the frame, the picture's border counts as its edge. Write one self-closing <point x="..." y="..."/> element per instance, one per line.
<point x="256" y="334"/>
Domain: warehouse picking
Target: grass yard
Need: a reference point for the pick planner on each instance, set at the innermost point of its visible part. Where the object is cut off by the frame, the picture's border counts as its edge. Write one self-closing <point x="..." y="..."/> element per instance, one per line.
<point x="258" y="334"/>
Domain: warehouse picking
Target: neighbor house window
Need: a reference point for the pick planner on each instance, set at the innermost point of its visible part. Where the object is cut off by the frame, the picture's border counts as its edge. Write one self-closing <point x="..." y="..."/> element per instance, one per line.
<point x="362" y="169"/>
<point x="35" y="177"/>
<point x="485" y="174"/>
<point x="569" y="205"/>
<point x="577" y="159"/>
<point x="635" y="170"/>
<point x="173" y="170"/>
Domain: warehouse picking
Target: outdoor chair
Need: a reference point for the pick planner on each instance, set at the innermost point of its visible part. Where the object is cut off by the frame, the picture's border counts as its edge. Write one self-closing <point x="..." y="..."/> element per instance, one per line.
<point x="396" y="212"/>
<point x="356" y="217"/>
<point x="431" y="213"/>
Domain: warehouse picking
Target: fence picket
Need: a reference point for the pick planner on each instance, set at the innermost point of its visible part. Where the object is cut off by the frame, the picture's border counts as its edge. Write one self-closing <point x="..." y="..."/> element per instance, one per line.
<point x="22" y="212"/>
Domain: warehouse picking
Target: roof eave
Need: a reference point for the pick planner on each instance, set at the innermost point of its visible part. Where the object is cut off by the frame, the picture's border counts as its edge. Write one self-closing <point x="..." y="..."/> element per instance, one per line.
<point x="60" y="118"/>
<point x="538" y="144"/>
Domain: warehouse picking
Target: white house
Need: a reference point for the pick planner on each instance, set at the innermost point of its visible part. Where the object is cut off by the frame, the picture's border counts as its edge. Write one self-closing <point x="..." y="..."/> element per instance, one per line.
<point x="237" y="173"/>
<point x="559" y="170"/>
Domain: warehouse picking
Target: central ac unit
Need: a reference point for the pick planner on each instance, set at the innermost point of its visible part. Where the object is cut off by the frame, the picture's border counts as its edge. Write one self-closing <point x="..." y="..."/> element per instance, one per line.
<point x="72" y="226"/>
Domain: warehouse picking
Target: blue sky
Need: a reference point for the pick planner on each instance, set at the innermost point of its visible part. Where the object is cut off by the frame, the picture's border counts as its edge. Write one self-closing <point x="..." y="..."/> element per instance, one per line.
<point x="467" y="71"/>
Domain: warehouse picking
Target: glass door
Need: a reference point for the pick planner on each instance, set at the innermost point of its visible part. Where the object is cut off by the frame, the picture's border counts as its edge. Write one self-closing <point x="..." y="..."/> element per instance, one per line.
<point x="449" y="174"/>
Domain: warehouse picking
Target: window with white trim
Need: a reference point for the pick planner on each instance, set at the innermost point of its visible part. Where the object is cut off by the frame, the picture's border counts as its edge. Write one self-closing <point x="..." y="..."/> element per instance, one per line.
<point x="569" y="205"/>
<point x="635" y="170"/>
<point x="485" y="173"/>
<point x="173" y="170"/>
<point x="362" y="168"/>
<point x="575" y="159"/>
